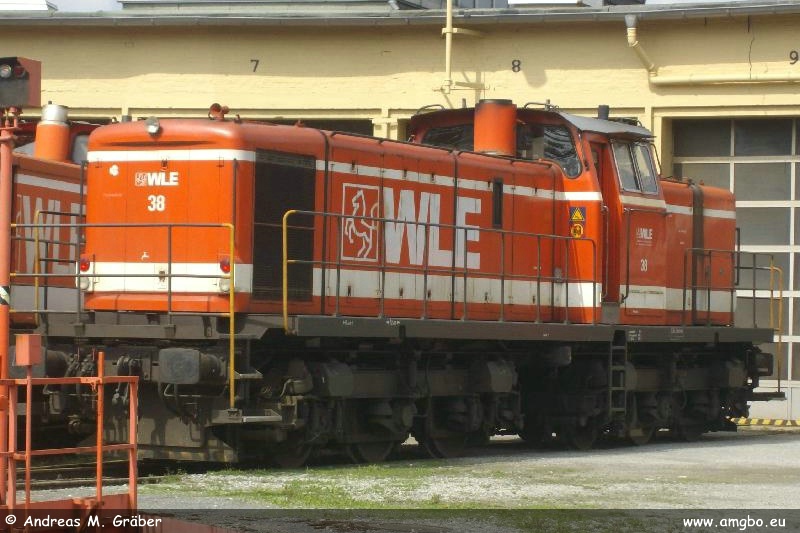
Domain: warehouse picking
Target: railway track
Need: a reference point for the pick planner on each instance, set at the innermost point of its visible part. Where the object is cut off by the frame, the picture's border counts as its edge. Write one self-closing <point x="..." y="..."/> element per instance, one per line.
<point x="81" y="474"/>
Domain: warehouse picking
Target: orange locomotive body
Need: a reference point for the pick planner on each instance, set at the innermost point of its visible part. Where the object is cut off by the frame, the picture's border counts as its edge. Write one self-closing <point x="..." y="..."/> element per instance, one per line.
<point x="381" y="228"/>
<point x="47" y="206"/>
<point x="45" y="193"/>
<point x="285" y="289"/>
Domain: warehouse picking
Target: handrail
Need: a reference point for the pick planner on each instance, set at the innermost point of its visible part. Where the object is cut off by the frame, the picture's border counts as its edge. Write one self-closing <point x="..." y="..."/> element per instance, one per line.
<point x="736" y="261"/>
<point x="37" y="250"/>
<point x="426" y="268"/>
<point x="169" y="275"/>
<point x="285" y="262"/>
<point x="779" y="329"/>
<point x="231" y="317"/>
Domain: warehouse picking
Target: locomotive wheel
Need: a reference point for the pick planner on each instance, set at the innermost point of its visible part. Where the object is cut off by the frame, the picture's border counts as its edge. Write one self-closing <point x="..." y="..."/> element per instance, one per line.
<point x="294" y="453"/>
<point x="435" y="435"/>
<point x="581" y="437"/>
<point x="370" y="452"/>
<point x="641" y="435"/>
<point x="445" y="447"/>
<point x="536" y="437"/>
<point x="689" y="431"/>
<point x="536" y="431"/>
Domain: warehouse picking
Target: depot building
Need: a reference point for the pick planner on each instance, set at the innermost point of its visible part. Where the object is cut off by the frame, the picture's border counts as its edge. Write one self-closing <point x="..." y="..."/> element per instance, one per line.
<point x="717" y="83"/>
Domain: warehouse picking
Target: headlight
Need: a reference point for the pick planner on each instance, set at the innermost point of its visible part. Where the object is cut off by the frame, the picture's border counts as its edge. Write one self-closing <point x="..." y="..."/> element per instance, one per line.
<point x="224" y="285"/>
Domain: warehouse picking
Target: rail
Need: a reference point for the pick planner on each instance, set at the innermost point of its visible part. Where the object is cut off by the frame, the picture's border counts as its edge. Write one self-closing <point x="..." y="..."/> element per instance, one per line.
<point x="168" y="276"/>
<point x="458" y="273"/>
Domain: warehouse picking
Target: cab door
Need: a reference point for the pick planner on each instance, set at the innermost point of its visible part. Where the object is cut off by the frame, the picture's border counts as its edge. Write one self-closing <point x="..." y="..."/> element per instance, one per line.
<point x="612" y="215"/>
<point x="642" y="253"/>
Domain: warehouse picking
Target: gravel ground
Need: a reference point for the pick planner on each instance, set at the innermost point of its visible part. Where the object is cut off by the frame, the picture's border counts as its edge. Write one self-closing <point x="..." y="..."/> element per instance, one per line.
<point x="499" y="490"/>
<point x="750" y="469"/>
<point x="657" y="485"/>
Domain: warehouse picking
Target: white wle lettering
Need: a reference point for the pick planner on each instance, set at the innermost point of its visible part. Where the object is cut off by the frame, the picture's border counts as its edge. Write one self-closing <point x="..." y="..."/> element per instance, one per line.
<point x="409" y="225"/>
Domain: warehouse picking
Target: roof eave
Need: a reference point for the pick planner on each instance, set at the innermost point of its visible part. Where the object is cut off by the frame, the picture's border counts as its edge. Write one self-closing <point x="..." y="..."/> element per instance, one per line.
<point x="406" y="17"/>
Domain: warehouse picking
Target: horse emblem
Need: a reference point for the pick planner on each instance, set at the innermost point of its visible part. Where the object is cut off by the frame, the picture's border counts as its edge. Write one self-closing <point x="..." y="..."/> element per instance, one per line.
<point x="359" y="229"/>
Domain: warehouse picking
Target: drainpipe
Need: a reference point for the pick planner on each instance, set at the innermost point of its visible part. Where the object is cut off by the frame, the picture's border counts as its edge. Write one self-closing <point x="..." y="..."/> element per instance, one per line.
<point x="633" y="43"/>
<point x="718" y="79"/>
<point x="697" y="79"/>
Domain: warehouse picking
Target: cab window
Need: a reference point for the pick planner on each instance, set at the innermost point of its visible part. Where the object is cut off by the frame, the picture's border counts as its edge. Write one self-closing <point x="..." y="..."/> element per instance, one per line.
<point x="534" y="141"/>
<point x="458" y="137"/>
<point x="635" y="166"/>
<point x="545" y="141"/>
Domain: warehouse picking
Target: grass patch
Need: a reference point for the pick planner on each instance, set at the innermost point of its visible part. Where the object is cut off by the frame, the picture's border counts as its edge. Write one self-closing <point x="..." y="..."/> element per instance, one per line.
<point x="395" y="485"/>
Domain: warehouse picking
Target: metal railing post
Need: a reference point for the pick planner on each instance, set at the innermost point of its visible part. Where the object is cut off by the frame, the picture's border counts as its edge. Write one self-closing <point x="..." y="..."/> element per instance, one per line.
<point x="502" y="276"/>
<point x="232" y="319"/>
<point x="169" y="274"/>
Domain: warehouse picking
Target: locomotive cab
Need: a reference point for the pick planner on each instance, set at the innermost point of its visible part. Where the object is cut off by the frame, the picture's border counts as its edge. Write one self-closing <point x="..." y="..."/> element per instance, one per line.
<point x="666" y="246"/>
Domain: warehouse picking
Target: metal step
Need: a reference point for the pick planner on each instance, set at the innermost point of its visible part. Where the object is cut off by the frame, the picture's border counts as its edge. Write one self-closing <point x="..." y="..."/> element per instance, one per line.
<point x="252" y="374"/>
<point x="252" y="416"/>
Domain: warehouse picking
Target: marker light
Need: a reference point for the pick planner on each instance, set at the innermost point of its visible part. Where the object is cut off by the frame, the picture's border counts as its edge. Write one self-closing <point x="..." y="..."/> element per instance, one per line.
<point x="84" y="282"/>
<point x="225" y="267"/>
<point x="6" y="71"/>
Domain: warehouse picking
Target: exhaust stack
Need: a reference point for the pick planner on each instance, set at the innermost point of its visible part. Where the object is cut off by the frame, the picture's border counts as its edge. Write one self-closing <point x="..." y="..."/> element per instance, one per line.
<point x="52" y="134"/>
<point x="496" y="127"/>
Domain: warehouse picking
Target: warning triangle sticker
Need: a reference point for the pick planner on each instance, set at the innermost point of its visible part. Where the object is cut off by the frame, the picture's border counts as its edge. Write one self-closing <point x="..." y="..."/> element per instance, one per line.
<point x="577" y="215"/>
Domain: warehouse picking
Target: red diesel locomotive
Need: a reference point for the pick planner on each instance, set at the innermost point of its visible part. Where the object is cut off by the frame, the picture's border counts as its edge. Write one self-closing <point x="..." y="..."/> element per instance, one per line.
<point x="281" y="290"/>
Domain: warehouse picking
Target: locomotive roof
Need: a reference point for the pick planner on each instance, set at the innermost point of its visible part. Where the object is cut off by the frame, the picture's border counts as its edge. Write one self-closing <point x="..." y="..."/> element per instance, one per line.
<point x="607" y="127"/>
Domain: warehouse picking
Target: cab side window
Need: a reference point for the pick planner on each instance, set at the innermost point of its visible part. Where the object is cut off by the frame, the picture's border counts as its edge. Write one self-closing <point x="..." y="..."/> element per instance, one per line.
<point x="635" y="167"/>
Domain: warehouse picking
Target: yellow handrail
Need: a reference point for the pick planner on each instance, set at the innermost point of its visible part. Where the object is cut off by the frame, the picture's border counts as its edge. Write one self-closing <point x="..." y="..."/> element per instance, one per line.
<point x="779" y="329"/>
<point x="285" y="274"/>
<point x="231" y="319"/>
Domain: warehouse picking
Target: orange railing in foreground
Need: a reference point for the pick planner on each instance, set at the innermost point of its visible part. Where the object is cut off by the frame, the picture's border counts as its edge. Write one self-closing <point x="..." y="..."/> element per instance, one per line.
<point x="80" y="508"/>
